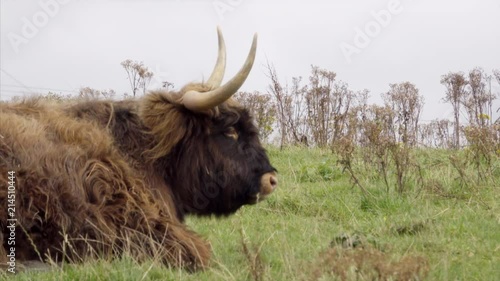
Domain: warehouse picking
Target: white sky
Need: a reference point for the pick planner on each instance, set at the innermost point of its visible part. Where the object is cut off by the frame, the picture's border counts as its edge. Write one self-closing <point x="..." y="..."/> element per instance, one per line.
<point x="82" y="43"/>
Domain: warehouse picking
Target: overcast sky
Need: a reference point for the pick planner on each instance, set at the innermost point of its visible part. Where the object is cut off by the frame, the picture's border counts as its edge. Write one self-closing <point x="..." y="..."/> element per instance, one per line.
<point x="63" y="45"/>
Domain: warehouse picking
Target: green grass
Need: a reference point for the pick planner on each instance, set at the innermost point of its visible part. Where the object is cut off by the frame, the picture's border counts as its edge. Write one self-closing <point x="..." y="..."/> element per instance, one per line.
<point x="456" y="230"/>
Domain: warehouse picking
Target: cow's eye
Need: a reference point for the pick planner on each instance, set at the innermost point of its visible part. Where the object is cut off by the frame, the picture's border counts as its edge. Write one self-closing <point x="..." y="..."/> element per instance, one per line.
<point x="231" y="133"/>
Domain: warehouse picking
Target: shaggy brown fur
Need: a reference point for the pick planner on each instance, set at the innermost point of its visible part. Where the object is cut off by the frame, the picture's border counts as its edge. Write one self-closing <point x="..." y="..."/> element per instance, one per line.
<point x="98" y="178"/>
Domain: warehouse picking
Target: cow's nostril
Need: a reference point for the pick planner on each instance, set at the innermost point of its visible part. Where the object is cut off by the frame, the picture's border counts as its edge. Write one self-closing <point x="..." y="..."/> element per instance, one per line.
<point x="268" y="183"/>
<point x="273" y="181"/>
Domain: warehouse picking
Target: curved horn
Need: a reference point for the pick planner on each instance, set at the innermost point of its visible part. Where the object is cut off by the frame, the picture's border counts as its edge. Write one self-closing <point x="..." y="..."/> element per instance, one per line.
<point x="196" y="101"/>
<point x="217" y="75"/>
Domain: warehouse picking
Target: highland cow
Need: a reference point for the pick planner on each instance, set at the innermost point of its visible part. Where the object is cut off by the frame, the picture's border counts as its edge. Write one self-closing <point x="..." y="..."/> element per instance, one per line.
<point x="103" y="178"/>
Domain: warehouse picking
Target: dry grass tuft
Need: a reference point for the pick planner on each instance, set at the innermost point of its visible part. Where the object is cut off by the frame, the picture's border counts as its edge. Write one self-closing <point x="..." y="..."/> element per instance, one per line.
<point x="256" y="265"/>
<point x="367" y="263"/>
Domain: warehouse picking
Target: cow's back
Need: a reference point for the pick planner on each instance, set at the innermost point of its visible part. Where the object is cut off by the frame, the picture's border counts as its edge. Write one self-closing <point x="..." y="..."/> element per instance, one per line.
<point x="70" y="179"/>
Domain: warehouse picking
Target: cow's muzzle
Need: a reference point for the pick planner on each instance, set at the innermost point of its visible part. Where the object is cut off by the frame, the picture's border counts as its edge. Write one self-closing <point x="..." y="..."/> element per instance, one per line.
<point x="268" y="183"/>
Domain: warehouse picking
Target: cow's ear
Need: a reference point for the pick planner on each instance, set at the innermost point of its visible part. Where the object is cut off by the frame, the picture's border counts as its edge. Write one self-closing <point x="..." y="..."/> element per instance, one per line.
<point x="231" y="133"/>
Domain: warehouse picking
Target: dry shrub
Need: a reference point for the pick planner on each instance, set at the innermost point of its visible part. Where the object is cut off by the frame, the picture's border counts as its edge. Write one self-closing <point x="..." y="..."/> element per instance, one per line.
<point x="138" y="74"/>
<point x="375" y="129"/>
<point x="455" y="83"/>
<point x="252" y="254"/>
<point x="345" y="148"/>
<point x="482" y="150"/>
<point x="461" y="168"/>
<point x="316" y="112"/>
<point x="368" y="263"/>
<point x="438" y="134"/>
<point x="328" y="103"/>
<point x="402" y="158"/>
<point x="90" y="93"/>
<point x="478" y="101"/>
<point x="263" y="109"/>
<point x="407" y="104"/>
<point x="290" y="108"/>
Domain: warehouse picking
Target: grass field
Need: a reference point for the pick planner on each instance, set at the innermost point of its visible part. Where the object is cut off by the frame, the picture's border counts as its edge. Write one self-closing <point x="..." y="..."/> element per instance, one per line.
<point x="317" y="226"/>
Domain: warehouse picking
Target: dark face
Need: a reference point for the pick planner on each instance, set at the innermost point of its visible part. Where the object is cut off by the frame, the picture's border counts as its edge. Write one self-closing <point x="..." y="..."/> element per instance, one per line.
<point x="222" y="165"/>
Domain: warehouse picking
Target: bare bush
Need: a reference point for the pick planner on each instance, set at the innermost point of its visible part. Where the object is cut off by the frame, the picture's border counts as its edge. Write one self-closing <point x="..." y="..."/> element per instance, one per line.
<point x="482" y="150"/>
<point x="317" y="112"/>
<point x="406" y="103"/>
<point x="290" y="108"/>
<point x="478" y="101"/>
<point x="455" y="83"/>
<point x="90" y="93"/>
<point x="403" y="163"/>
<point x="263" y="109"/>
<point x="328" y="102"/>
<point x="138" y="75"/>
<point x="439" y="133"/>
<point x="496" y="74"/>
<point x="54" y="97"/>
<point x="392" y="159"/>
<point x="377" y="138"/>
<point x="345" y="148"/>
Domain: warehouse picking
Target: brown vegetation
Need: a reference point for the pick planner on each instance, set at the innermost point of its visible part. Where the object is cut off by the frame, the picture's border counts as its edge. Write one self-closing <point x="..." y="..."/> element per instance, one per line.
<point x="367" y="263"/>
